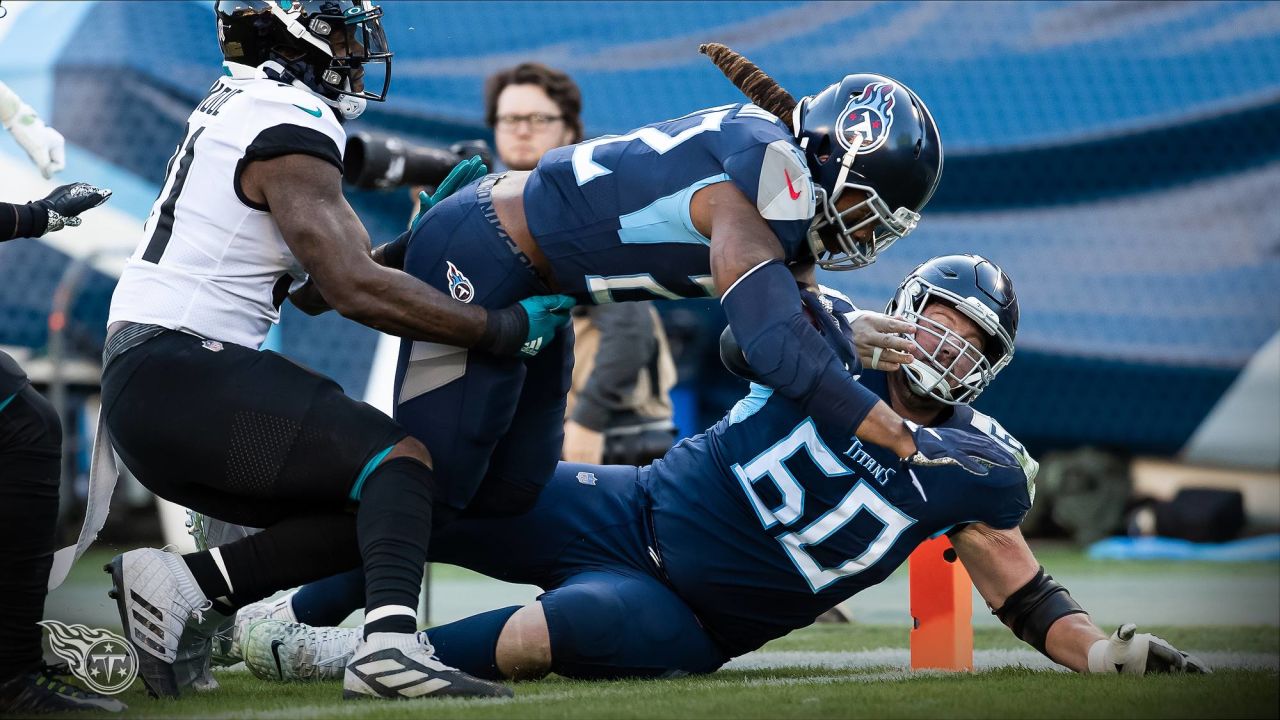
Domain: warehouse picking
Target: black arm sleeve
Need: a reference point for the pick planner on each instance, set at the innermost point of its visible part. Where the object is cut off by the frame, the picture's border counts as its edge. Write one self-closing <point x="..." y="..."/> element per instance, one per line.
<point x="22" y="221"/>
<point x="627" y="344"/>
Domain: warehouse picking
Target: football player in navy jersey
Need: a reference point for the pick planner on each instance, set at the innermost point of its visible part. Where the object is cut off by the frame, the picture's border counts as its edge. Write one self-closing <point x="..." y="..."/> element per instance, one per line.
<point x="726" y="202"/>
<point x="720" y="202"/>
<point x="754" y="528"/>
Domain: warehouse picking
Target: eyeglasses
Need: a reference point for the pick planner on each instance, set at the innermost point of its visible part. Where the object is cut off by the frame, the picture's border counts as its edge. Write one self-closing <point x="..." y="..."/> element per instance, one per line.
<point x="537" y="121"/>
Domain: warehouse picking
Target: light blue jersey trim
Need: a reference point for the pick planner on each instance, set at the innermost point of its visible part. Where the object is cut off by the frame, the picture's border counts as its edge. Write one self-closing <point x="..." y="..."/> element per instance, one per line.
<point x="5" y="402"/>
<point x="751" y="404"/>
<point x="368" y="469"/>
<point x="666" y="220"/>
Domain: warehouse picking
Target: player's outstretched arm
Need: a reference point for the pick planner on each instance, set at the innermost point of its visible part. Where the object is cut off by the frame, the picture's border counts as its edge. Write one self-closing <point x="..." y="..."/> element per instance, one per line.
<point x="1043" y="614"/>
<point x="306" y="201"/>
<point x="308" y="297"/>
<point x="765" y="311"/>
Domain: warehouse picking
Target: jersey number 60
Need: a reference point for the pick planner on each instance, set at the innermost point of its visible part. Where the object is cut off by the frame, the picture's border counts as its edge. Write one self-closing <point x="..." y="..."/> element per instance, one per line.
<point x="772" y="463"/>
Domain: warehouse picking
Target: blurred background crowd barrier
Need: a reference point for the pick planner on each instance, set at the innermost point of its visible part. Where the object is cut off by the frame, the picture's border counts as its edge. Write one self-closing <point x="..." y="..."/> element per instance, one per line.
<point x="1120" y="160"/>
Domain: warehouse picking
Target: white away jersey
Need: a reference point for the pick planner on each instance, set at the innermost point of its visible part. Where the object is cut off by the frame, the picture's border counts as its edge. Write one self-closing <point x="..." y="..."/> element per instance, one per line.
<point x="211" y="262"/>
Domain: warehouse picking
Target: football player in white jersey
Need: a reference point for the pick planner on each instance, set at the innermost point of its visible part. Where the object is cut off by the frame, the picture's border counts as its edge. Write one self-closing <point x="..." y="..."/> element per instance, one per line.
<point x="252" y="208"/>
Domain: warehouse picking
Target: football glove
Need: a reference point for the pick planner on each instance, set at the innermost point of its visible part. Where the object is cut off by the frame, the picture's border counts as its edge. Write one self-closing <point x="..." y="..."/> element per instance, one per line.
<point x="526" y="327"/>
<point x="951" y="446"/>
<point x="1133" y="653"/>
<point x="66" y="202"/>
<point x="44" y="145"/>
<point x="462" y="174"/>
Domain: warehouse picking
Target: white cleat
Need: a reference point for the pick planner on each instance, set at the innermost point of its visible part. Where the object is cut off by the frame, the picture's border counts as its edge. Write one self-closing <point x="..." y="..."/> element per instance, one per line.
<point x="279" y="609"/>
<point x="294" y="652"/>
<point x="403" y="666"/>
<point x="155" y="594"/>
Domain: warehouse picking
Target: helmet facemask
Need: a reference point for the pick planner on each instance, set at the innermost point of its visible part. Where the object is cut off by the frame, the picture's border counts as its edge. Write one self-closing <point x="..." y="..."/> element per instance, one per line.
<point x="834" y="226"/>
<point x="333" y="53"/>
<point x="947" y="367"/>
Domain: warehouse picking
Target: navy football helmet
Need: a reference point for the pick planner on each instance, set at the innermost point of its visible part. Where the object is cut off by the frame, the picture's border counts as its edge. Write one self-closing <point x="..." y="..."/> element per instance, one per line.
<point x="323" y="46"/>
<point x="952" y="370"/>
<point x="869" y="133"/>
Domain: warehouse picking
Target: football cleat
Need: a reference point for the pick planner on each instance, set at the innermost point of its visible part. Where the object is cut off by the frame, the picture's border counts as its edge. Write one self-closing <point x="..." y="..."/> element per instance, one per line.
<point x="40" y="691"/>
<point x="280" y="608"/>
<point x="403" y="666"/>
<point x="290" y="651"/>
<point x="155" y="594"/>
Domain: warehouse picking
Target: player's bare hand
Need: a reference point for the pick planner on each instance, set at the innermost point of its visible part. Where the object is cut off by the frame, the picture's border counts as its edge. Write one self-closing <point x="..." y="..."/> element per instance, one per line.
<point x="880" y="341"/>
<point x="582" y="444"/>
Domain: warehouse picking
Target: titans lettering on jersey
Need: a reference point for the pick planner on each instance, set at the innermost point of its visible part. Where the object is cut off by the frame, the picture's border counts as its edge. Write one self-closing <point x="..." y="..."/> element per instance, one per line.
<point x="612" y="214"/>
<point x="766" y="521"/>
<point x="212" y="262"/>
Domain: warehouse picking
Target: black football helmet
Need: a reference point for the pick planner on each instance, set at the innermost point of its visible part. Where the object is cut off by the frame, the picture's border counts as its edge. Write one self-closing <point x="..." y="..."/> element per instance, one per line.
<point x="953" y="371"/>
<point x="870" y="133"/>
<point x="324" y="46"/>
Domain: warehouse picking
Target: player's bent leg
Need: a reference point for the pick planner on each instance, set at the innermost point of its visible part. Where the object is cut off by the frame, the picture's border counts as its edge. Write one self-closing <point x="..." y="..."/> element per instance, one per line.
<point x="524" y="647"/>
<point x="613" y="624"/>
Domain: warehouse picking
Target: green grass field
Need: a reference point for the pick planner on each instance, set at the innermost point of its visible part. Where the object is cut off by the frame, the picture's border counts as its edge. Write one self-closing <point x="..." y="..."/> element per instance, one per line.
<point x="802" y="692"/>
<point x="848" y="671"/>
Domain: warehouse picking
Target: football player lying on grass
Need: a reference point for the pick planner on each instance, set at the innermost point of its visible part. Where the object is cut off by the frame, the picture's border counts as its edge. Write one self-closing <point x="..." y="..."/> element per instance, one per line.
<point x="754" y="528"/>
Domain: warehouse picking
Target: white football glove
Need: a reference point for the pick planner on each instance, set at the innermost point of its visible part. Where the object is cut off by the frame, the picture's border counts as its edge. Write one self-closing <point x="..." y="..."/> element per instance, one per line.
<point x="44" y="145"/>
<point x="1132" y="653"/>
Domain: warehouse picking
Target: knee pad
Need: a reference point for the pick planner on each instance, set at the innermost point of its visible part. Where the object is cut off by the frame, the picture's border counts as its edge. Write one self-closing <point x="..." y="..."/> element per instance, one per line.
<point x="584" y="622"/>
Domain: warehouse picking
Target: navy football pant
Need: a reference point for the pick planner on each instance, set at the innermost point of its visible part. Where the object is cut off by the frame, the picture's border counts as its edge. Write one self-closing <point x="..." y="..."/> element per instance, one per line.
<point x="586" y="543"/>
<point x="494" y="425"/>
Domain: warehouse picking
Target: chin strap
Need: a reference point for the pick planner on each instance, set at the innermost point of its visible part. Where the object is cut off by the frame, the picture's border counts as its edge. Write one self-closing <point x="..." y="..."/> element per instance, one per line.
<point x="348" y="107"/>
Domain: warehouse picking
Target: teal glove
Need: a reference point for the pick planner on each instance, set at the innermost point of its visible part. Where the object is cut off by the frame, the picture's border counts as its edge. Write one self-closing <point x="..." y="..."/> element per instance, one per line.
<point x="547" y="314"/>
<point x="462" y="174"/>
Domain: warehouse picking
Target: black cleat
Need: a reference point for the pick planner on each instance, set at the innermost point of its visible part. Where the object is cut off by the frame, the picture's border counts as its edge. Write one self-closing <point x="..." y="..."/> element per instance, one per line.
<point x="40" y="691"/>
<point x="395" y="666"/>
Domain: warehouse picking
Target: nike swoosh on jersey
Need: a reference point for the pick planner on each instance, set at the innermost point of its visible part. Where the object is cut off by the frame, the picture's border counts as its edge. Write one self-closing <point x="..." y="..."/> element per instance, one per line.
<point x="795" y="195"/>
<point x="317" y="112"/>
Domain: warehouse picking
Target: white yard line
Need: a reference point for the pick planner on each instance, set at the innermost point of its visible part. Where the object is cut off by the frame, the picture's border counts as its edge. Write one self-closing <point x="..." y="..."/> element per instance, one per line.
<point x="982" y="660"/>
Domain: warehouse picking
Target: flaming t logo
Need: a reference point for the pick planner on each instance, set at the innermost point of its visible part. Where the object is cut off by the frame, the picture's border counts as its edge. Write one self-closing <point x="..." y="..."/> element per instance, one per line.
<point x="459" y="286"/>
<point x="869" y="117"/>
<point x="102" y="659"/>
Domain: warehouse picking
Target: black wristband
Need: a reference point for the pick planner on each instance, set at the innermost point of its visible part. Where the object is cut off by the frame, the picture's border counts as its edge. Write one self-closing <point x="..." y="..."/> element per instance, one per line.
<point x="505" y="330"/>
<point x="28" y="220"/>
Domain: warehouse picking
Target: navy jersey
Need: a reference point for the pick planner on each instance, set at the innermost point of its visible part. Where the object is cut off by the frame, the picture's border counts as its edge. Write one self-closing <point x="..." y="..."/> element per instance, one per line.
<point x="766" y="520"/>
<point x="612" y="214"/>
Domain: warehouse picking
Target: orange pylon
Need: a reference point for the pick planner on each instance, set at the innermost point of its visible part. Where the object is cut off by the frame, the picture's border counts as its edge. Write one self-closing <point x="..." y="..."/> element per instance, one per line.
<point x="941" y="607"/>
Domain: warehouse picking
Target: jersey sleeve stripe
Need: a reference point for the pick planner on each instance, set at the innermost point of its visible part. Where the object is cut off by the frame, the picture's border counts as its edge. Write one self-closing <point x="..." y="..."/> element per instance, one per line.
<point x="280" y="140"/>
<point x="293" y="139"/>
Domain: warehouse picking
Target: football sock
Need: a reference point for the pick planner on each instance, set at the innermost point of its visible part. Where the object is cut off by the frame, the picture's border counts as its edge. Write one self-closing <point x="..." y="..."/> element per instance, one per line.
<point x="329" y="601"/>
<point x="291" y="552"/>
<point x="394" y="524"/>
<point x="471" y="644"/>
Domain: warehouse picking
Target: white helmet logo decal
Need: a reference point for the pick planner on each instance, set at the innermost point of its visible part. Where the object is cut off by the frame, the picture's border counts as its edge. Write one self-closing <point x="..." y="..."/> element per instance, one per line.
<point x="867" y="118"/>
